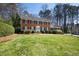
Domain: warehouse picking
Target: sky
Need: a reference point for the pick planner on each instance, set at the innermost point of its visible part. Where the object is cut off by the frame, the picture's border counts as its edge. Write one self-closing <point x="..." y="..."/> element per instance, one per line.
<point x="34" y="8"/>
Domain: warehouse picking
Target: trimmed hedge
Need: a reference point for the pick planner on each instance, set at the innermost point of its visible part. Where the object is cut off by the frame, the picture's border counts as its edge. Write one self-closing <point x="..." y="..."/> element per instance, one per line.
<point x="6" y="29"/>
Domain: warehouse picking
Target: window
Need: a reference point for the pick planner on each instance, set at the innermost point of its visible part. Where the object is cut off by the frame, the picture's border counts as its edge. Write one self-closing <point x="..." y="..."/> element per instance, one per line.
<point x="23" y="28"/>
<point x="40" y="22"/>
<point x="27" y="27"/>
<point x="23" y="21"/>
<point x="32" y="22"/>
<point x="49" y="23"/>
<point x="29" y="21"/>
<point x="47" y="28"/>
<point x="46" y="23"/>
<point x="37" y="22"/>
<point x="34" y="28"/>
<point x="42" y="28"/>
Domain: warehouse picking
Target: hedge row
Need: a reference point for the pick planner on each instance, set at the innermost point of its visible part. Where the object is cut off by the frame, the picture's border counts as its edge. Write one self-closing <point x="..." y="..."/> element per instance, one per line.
<point x="6" y="29"/>
<point x="48" y="32"/>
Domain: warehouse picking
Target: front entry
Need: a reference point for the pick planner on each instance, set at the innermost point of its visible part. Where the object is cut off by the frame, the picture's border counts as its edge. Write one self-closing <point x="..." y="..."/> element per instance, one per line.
<point x="37" y="28"/>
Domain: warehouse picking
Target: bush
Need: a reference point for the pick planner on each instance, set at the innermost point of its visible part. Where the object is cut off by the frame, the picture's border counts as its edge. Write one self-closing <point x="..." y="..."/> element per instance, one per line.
<point x="27" y="32"/>
<point x="6" y="29"/>
<point x="9" y="22"/>
<point x="57" y="32"/>
<point x="54" y="31"/>
<point x="42" y="31"/>
<point x="32" y="32"/>
<point x="46" y="32"/>
<point x="18" y="30"/>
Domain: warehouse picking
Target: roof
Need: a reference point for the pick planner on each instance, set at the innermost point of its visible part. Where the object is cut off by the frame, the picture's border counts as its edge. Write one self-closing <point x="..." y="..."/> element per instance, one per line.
<point x="36" y="18"/>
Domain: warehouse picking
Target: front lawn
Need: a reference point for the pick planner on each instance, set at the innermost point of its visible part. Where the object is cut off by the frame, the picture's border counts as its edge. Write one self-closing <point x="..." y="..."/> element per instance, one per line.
<point x="41" y="45"/>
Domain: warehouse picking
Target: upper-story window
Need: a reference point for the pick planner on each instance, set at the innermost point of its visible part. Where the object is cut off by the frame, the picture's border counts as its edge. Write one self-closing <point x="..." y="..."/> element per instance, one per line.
<point x="29" y="21"/>
<point x="48" y="23"/>
<point x="40" y="22"/>
<point x="35" y="22"/>
<point x="32" y="22"/>
<point x="45" y="23"/>
<point x="23" y="21"/>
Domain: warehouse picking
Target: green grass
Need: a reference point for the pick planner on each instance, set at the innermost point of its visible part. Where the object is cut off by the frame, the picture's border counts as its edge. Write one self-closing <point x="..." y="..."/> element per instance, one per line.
<point x="41" y="45"/>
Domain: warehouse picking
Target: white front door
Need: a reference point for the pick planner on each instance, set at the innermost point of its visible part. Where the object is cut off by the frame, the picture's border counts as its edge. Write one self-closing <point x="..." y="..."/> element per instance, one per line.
<point x="37" y="28"/>
<point x="32" y="28"/>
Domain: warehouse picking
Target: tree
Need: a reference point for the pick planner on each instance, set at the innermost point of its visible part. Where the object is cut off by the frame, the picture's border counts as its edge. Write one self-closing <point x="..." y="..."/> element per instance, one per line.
<point x="73" y="14"/>
<point x="61" y="11"/>
<point x="58" y="13"/>
<point x="7" y="9"/>
<point x="65" y="13"/>
<point x="77" y="13"/>
<point x="45" y="12"/>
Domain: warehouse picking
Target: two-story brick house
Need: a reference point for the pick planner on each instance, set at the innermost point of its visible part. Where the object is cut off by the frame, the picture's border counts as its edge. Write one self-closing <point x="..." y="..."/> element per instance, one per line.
<point x="35" y="24"/>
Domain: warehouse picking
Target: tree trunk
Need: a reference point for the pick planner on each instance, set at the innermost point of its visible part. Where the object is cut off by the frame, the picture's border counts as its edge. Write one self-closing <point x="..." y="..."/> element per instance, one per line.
<point x="57" y="21"/>
<point x="65" y="29"/>
<point x="77" y="22"/>
<point x="72" y="26"/>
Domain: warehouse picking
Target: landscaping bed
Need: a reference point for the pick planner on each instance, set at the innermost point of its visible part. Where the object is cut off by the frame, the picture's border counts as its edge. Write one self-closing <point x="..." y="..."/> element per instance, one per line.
<point x="7" y="38"/>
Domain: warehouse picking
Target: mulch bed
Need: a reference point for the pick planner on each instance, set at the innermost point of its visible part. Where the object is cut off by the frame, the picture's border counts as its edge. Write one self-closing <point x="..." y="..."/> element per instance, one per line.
<point x="7" y="38"/>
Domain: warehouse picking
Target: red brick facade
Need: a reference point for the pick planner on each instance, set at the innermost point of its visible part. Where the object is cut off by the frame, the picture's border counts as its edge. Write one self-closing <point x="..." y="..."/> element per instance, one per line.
<point x="35" y="25"/>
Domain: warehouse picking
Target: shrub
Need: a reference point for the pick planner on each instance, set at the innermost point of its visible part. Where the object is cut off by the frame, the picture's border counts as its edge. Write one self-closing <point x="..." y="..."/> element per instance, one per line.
<point x="6" y="29"/>
<point x="27" y="32"/>
<point x="42" y="31"/>
<point x="18" y="30"/>
<point x="54" y="31"/>
<point x="9" y="21"/>
<point x="32" y="32"/>
<point x="57" y="31"/>
<point x="46" y="31"/>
